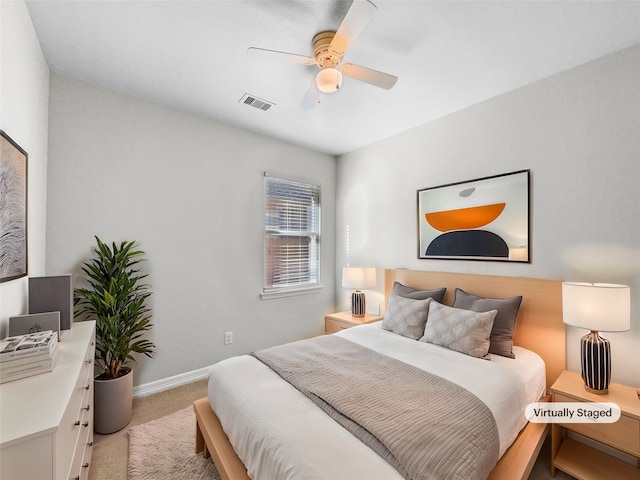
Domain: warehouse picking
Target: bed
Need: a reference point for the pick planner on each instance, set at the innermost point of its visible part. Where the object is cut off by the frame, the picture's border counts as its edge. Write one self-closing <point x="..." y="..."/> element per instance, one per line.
<point x="282" y="433"/>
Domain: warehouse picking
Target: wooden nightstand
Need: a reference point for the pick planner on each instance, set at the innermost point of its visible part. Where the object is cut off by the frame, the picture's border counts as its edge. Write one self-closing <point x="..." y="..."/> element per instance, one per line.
<point x="586" y="462"/>
<point x="334" y="322"/>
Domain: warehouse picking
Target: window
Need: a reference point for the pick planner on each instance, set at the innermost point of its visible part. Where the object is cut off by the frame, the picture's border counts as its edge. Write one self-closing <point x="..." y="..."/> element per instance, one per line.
<point x="291" y="235"/>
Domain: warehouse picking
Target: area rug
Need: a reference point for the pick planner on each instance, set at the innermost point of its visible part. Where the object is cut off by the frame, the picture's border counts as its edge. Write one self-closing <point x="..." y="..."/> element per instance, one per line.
<point x="163" y="449"/>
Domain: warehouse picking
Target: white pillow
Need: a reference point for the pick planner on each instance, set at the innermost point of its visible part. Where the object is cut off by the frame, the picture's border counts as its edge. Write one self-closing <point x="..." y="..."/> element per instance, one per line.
<point x="406" y="316"/>
<point x="461" y="330"/>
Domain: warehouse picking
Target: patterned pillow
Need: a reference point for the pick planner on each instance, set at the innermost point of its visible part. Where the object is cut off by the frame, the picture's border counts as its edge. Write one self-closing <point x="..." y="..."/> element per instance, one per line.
<point x="406" y="316"/>
<point x="504" y="324"/>
<point x="460" y="330"/>
<point x="408" y="292"/>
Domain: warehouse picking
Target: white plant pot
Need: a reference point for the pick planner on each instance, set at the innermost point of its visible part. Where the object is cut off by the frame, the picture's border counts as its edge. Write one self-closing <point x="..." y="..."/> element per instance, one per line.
<point x="113" y="401"/>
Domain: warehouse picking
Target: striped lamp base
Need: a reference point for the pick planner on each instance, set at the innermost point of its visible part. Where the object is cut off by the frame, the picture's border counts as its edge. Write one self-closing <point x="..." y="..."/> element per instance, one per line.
<point x="595" y="358"/>
<point x="357" y="304"/>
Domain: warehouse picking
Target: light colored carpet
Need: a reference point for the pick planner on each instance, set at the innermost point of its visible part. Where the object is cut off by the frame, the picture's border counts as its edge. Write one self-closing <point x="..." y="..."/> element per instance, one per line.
<point x="163" y="449"/>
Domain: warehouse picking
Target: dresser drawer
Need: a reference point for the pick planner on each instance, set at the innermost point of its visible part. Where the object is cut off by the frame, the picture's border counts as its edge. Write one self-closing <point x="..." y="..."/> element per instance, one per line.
<point x="71" y="426"/>
<point x="84" y="441"/>
<point x="86" y="461"/>
<point x="335" y="322"/>
<point x="87" y="372"/>
<point x="84" y="446"/>
<point x="333" y="326"/>
<point x="82" y="457"/>
<point x="77" y="420"/>
<point x="623" y="434"/>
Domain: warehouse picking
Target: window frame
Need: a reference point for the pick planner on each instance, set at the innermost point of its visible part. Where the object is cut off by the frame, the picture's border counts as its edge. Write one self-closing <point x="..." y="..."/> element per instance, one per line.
<point x="269" y="290"/>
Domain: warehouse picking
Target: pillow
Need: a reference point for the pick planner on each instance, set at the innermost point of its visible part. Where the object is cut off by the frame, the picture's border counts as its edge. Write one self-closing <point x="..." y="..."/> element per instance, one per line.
<point x="504" y="324"/>
<point x="406" y="316"/>
<point x="408" y="292"/>
<point x="460" y="330"/>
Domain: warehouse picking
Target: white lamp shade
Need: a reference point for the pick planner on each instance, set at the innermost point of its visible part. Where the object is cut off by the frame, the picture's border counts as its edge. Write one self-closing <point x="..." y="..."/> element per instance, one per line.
<point x="603" y="307"/>
<point x="329" y="80"/>
<point x="358" y="278"/>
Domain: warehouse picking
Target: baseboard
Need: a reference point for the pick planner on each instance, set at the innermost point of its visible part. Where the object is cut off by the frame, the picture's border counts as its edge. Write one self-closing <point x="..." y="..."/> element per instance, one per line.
<point x="170" y="382"/>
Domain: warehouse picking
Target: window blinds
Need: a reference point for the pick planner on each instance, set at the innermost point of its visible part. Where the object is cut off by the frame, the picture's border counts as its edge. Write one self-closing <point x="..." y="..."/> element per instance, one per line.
<point x="292" y="233"/>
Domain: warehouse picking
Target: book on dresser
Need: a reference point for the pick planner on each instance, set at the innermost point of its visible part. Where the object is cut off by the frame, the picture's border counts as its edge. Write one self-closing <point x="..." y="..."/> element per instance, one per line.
<point x="27" y="367"/>
<point x="23" y="356"/>
<point x="29" y="344"/>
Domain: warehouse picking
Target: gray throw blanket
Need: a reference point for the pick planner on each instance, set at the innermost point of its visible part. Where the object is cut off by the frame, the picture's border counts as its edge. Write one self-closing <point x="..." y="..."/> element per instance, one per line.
<point x="426" y="427"/>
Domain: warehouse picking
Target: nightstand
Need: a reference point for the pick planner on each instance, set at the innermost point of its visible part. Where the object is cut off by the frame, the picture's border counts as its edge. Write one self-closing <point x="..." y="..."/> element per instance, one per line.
<point x="334" y="322"/>
<point x="586" y="462"/>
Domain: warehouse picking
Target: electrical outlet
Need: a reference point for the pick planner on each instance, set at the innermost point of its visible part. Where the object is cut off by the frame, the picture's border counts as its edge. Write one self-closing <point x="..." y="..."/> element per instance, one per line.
<point x="375" y="309"/>
<point x="228" y="338"/>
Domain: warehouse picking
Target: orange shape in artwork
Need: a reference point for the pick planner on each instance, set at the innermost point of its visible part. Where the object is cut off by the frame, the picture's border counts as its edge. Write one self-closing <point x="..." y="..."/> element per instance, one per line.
<point x="464" y="218"/>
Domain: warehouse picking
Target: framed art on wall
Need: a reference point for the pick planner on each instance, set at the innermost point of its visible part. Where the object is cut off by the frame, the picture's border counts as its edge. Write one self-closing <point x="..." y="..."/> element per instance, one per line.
<point x="13" y="209"/>
<point x="482" y="219"/>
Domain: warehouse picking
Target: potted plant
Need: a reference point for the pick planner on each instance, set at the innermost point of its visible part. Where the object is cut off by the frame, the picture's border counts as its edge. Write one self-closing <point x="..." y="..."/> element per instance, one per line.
<point x="116" y="299"/>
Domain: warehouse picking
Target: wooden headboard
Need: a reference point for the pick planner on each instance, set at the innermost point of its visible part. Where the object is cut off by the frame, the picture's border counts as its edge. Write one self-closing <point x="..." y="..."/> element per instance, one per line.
<point x="539" y="327"/>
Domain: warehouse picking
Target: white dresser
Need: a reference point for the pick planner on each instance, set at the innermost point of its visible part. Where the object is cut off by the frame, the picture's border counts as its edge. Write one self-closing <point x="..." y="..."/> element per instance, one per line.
<point x="46" y="421"/>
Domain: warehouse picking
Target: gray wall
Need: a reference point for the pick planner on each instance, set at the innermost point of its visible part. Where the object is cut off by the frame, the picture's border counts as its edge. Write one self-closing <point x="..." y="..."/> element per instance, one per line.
<point x="24" y="92"/>
<point x="579" y="134"/>
<point x="190" y="191"/>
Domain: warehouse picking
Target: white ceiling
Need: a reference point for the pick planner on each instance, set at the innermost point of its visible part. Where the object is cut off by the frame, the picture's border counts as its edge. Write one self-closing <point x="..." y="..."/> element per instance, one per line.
<point x="191" y="55"/>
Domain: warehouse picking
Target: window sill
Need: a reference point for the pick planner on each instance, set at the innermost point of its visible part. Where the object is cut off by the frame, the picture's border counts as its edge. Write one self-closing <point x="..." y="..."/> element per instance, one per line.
<point x="290" y="292"/>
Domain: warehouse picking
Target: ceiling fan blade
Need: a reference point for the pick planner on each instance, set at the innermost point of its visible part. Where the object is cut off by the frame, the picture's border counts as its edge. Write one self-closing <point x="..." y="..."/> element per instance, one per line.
<point x="359" y="15"/>
<point x="312" y="98"/>
<point x="282" y="56"/>
<point x="370" y="76"/>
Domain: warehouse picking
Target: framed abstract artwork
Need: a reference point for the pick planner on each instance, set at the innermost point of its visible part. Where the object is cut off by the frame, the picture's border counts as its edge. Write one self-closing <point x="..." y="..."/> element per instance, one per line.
<point x="13" y="209"/>
<point x="482" y="219"/>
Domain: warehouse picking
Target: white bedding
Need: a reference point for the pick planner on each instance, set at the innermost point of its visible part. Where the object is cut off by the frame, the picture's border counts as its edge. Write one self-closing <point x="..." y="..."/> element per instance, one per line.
<point x="280" y="434"/>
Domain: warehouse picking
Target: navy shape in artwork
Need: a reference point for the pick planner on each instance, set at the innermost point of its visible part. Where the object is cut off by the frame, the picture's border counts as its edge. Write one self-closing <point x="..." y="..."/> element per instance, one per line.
<point x="468" y="243"/>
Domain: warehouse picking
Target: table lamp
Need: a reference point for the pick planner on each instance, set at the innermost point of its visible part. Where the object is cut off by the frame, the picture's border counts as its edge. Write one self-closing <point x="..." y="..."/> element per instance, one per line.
<point x="359" y="278"/>
<point x="599" y="307"/>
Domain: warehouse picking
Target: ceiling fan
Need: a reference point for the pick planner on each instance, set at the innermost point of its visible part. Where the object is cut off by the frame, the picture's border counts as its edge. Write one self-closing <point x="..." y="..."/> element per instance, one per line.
<point x="328" y="49"/>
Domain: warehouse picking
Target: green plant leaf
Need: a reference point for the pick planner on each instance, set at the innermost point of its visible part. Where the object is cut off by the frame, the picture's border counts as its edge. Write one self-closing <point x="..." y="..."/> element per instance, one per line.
<point x="116" y="299"/>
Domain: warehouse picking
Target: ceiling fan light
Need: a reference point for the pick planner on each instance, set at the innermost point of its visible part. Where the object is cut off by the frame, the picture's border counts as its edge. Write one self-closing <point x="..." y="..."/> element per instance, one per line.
<point x="329" y="80"/>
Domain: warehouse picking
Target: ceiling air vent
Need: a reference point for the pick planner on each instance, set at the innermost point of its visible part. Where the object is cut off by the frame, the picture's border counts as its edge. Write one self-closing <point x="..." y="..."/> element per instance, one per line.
<point x="256" y="102"/>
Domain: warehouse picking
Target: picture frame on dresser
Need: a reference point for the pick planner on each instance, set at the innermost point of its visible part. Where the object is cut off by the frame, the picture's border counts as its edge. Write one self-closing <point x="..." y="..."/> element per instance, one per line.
<point x="13" y="209"/>
<point x="482" y="219"/>
<point x="52" y="293"/>
<point x="33" y="323"/>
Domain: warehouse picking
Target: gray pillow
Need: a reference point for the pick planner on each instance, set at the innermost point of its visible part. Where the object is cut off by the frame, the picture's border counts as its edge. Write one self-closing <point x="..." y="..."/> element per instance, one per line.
<point x="461" y="330"/>
<point x="408" y="292"/>
<point x="406" y="316"/>
<point x="504" y="324"/>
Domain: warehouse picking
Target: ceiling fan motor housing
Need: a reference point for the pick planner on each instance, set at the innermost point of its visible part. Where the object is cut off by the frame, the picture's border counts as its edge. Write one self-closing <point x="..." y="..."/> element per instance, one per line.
<point x="325" y="57"/>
